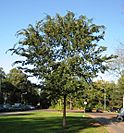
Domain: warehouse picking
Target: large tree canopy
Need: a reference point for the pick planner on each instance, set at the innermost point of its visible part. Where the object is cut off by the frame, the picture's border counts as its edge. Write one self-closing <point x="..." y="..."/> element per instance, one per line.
<point x="64" y="52"/>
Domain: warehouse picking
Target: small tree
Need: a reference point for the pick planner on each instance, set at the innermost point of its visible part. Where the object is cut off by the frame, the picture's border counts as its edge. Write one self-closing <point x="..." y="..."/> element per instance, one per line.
<point x="64" y="53"/>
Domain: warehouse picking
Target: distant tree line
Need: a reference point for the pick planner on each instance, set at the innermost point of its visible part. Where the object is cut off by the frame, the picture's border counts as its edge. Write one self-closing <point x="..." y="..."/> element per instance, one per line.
<point x="16" y="88"/>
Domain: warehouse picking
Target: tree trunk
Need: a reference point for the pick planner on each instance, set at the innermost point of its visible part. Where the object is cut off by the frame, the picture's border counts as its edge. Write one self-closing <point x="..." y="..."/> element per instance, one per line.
<point x="64" y="113"/>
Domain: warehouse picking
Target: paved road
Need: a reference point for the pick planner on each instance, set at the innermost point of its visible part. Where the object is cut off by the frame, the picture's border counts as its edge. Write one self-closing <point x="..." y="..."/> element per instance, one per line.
<point x="109" y="120"/>
<point x="16" y="113"/>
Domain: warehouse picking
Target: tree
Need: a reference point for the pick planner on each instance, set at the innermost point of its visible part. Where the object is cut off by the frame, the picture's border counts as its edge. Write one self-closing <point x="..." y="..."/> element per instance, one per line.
<point x="120" y="90"/>
<point x="45" y="100"/>
<point x="19" y="88"/>
<point x="117" y="65"/>
<point x="2" y="73"/>
<point x="64" y="54"/>
<point x="2" y="77"/>
<point x="31" y="96"/>
<point x="121" y="84"/>
<point x="16" y="77"/>
<point x="104" y="92"/>
<point x="19" y="80"/>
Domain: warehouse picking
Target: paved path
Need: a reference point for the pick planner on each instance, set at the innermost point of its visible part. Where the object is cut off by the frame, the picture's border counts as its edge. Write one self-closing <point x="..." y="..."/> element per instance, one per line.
<point x="14" y="113"/>
<point x="109" y="120"/>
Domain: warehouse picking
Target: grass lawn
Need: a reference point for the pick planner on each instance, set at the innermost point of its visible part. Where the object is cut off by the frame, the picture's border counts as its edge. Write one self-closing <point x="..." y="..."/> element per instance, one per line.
<point x="48" y="122"/>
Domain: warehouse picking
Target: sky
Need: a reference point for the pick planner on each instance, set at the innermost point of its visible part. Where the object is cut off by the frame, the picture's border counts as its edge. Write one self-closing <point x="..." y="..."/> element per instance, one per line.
<point x="18" y="14"/>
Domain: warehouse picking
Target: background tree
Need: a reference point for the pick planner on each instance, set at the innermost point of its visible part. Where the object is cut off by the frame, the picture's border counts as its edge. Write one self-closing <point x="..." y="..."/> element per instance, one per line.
<point x="95" y="95"/>
<point x="32" y="94"/>
<point x="15" y="87"/>
<point x="120" y="90"/>
<point x="101" y="94"/>
<point x="18" y="79"/>
<point x="111" y="95"/>
<point x="2" y="77"/>
<point x="7" y="90"/>
<point x="117" y="65"/>
<point x="117" y="68"/>
<point x="45" y="100"/>
<point x="64" y="54"/>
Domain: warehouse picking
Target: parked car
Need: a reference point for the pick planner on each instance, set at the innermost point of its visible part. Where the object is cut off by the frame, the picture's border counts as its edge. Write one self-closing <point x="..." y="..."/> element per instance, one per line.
<point x="99" y="110"/>
<point x="2" y="108"/>
<point x="120" y="116"/>
<point x="88" y="109"/>
<point x="22" y="107"/>
<point x="114" y="109"/>
<point x="18" y="107"/>
<point x="7" y="107"/>
<point x="15" y="107"/>
<point x="29" y="107"/>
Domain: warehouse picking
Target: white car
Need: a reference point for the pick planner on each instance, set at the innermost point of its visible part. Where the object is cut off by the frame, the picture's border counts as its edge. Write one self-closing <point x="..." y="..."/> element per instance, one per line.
<point x="120" y="116"/>
<point x="30" y="107"/>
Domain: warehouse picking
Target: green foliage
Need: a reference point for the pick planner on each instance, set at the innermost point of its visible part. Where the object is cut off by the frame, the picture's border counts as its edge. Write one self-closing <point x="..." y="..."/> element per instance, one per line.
<point x="63" y="52"/>
<point x="120" y="90"/>
<point x="121" y="84"/>
<point x="17" y="78"/>
<point x="2" y="78"/>
<point x="16" y="87"/>
<point x="45" y="100"/>
<point x="2" y="73"/>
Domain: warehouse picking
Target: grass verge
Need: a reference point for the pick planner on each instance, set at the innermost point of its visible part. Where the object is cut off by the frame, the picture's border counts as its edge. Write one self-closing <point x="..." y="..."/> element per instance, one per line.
<point x="48" y="122"/>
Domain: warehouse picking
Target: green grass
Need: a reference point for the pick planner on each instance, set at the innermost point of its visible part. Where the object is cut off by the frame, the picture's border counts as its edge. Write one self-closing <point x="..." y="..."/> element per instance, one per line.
<point x="48" y="122"/>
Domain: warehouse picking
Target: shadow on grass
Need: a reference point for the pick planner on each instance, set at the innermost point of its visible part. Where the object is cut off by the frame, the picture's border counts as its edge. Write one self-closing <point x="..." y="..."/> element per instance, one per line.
<point x="30" y="123"/>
